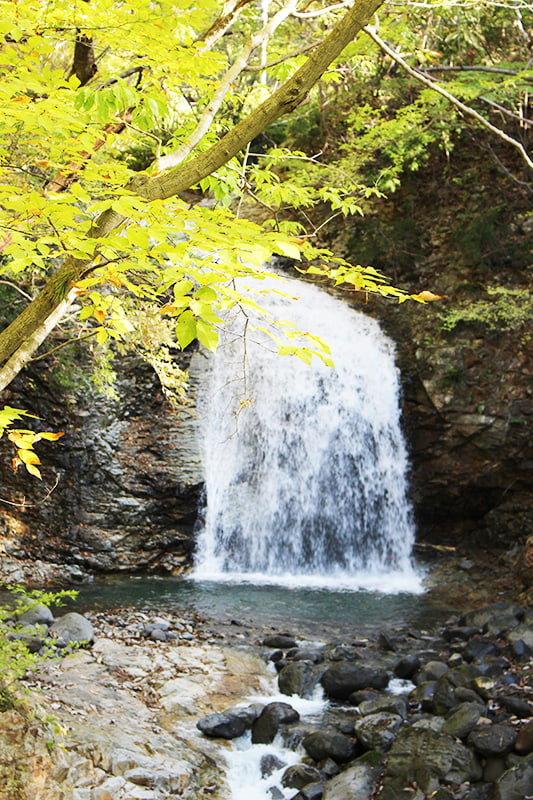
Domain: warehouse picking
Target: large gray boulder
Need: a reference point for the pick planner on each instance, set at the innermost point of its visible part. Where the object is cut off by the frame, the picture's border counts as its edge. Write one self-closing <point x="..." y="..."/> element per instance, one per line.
<point x="355" y="783"/>
<point x="329" y="744"/>
<point x="419" y="751"/>
<point x="345" y="677"/>
<point x="266" y="726"/>
<point x="72" y="628"/>
<point x="297" y="678"/>
<point x="223" y="725"/>
<point x="463" y="719"/>
<point x="516" y="783"/>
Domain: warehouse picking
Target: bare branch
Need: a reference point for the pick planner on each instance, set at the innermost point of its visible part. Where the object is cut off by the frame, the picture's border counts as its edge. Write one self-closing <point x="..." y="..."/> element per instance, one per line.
<point x="467" y="110"/>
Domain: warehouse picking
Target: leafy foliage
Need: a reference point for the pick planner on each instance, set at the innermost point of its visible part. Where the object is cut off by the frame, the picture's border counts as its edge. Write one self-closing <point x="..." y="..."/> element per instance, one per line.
<point x="93" y="94"/>
<point x="16" y="660"/>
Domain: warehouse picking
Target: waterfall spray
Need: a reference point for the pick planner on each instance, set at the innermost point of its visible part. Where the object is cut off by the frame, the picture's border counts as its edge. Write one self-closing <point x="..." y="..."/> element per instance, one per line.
<point x="305" y="466"/>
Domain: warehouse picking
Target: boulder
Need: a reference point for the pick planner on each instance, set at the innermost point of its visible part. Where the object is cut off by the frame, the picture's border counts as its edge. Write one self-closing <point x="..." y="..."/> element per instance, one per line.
<point x="417" y="752"/>
<point x="270" y="763"/>
<point x="431" y="671"/>
<point x="492" y="740"/>
<point x="72" y="628"/>
<point x="299" y="775"/>
<point x="355" y="783"/>
<point x="223" y="725"/>
<point x="524" y="740"/>
<point x="297" y="678"/>
<point x="36" y="615"/>
<point x="522" y="633"/>
<point x="267" y="724"/>
<point x="393" y="703"/>
<point x="329" y="744"/>
<point x="378" y="731"/>
<point x="516" y="706"/>
<point x="407" y="666"/>
<point x="280" y="641"/>
<point x="515" y="783"/>
<point x="344" y="677"/>
<point x="462" y="720"/>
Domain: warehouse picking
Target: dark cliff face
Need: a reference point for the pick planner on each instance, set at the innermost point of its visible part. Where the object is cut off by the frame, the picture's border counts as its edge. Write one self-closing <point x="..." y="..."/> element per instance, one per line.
<point x="128" y="477"/>
<point x="457" y="229"/>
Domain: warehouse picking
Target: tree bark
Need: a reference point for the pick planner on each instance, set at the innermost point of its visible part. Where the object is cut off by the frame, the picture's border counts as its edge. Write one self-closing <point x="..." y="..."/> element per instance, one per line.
<point x="176" y="180"/>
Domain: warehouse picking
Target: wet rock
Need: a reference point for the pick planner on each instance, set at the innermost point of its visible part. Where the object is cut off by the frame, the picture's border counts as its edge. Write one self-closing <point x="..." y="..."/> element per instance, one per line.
<point x="524" y="739"/>
<point x="515" y="783"/>
<point x="222" y="725"/>
<point x="356" y="698"/>
<point x="493" y="768"/>
<point x="266" y="726"/>
<point x="407" y="666"/>
<point x="270" y="763"/>
<point x="479" y="648"/>
<point x="482" y="616"/>
<point x="314" y="655"/>
<point x="462" y="720"/>
<point x="395" y="789"/>
<point x="522" y="633"/>
<point x="312" y="791"/>
<point x="355" y="783"/>
<point x="484" y="687"/>
<point x="417" y="752"/>
<point x="297" y="678"/>
<point x="329" y="744"/>
<point x="396" y="704"/>
<point x="516" y="706"/>
<point x="492" y="740"/>
<point x="158" y="635"/>
<point x="444" y="696"/>
<point x="461" y="633"/>
<point x="431" y="671"/>
<point x="424" y="695"/>
<point x="299" y="775"/>
<point x="343" y="678"/>
<point x="280" y="641"/>
<point x="72" y="627"/>
<point x="378" y="731"/>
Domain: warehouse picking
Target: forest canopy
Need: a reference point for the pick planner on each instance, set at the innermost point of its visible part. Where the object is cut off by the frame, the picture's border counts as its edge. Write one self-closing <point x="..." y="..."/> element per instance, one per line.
<point x="152" y="153"/>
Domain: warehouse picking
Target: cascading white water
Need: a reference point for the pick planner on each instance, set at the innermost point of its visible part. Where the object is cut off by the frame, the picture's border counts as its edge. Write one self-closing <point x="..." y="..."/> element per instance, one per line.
<point x="305" y="465"/>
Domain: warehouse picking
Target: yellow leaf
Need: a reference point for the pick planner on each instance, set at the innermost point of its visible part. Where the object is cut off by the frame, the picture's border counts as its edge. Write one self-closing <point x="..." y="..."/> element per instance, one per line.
<point x="15" y="463"/>
<point x="29" y="457"/>
<point x="427" y="296"/>
<point x="52" y="437"/>
<point x="23" y="441"/>
<point x="99" y="313"/>
<point x="32" y="469"/>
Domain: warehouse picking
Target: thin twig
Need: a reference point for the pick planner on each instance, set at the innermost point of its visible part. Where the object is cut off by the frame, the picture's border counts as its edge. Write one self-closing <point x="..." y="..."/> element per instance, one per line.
<point x="24" y="504"/>
<point x="64" y="344"/>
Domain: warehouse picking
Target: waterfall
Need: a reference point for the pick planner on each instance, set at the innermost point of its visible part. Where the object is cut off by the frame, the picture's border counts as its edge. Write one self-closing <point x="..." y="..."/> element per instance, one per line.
<point x="305" y="465"/>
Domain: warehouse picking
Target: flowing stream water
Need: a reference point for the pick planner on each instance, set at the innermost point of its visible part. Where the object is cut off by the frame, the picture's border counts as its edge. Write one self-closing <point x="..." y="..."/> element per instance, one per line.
<point x="305" y="465"/>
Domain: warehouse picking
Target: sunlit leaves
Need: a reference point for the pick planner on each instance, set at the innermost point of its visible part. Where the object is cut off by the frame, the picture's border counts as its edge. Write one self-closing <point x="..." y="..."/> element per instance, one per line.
<point x="23" y="440"/>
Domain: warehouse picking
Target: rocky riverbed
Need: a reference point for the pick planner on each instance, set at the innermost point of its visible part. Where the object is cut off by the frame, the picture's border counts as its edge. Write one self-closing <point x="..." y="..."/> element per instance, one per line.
<point x="146" y="709"/>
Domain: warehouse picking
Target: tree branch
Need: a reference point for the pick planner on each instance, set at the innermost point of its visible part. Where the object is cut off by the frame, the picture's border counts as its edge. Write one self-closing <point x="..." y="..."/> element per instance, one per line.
<point x="230" y="12"/>
<point x="254" y="41"/>
<point x="31" y="327"/>
<point x="419" y="76"/>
